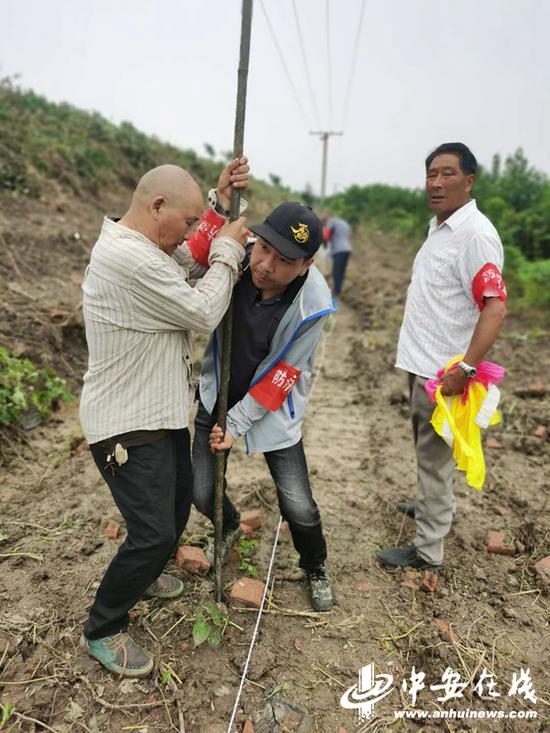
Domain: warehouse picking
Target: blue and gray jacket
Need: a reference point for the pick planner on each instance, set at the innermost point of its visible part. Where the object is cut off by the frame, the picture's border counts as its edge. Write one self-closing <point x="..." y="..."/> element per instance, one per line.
<point x="271" y="413"/>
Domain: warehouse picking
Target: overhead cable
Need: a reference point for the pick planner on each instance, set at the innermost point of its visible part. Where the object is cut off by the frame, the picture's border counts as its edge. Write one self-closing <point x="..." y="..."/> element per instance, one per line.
<point x="285" y="67"/>
<point x="329" y="64"/>
<point x="347" y="97"/>
<point x="301" y="43"/>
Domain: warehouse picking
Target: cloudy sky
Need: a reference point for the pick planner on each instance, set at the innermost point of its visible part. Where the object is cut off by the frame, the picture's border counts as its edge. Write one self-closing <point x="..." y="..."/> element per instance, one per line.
<point x="426" y="71"/>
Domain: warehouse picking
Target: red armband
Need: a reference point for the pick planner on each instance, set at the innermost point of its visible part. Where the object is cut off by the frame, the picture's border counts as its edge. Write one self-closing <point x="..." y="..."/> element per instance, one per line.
<point x="273" y="389"/>
<point x="199" y="244"/>
<point x="326" y="234"/>
<point x="488" y="283"/>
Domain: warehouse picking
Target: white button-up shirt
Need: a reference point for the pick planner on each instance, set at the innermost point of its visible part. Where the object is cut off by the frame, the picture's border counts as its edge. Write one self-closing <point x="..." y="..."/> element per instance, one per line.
<point x="441" y="312"/>
<point x="139" y="310"/>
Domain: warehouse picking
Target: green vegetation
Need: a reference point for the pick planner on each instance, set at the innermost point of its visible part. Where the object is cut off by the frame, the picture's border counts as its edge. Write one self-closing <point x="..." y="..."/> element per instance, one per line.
<point x="44" y="145"/>
<point x="515" y="196"/>
<point x="24" y="387"/>
<point x="244" y="549"/>
<point x="209" y="624"/>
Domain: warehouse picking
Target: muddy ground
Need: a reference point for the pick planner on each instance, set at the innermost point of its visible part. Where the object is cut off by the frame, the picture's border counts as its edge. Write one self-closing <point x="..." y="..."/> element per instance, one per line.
<point x="488" y="611"/>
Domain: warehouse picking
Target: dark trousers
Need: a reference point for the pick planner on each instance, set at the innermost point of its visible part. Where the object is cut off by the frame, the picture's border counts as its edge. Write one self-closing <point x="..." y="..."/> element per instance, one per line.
<point x="288" y="469"/>
<point x="339" y="265"/>
<point x="153" y="493"/>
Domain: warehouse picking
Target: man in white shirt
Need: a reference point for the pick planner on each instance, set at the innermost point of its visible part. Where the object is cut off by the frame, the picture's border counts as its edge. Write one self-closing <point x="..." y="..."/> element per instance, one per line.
<point x="455" y="305"/>
<point x="139" y="310"/>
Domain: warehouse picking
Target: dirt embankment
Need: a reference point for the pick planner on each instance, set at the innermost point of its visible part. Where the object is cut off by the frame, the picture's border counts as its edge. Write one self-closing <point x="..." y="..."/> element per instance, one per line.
<point x="488" y="611"/>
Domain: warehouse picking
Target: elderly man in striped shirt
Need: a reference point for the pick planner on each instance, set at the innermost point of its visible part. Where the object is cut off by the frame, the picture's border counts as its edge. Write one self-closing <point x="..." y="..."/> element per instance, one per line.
<point x="455" y="305"/>
<point x="139" y="311"/>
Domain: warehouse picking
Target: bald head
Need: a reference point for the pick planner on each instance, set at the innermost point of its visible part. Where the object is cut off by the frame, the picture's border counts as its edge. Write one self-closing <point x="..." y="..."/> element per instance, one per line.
<point x="173" y="183"/>
<point x="165" y="206"/>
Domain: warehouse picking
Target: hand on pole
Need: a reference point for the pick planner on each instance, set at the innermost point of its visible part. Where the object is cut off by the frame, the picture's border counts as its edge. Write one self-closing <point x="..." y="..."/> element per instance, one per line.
<point x="234" y="175"/>
<point x="219" y="441"/>
<point x="236" y="230"/>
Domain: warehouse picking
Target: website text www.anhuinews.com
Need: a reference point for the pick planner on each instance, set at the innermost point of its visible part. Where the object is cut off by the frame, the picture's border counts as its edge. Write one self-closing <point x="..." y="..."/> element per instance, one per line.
<point x="479" y="714"/>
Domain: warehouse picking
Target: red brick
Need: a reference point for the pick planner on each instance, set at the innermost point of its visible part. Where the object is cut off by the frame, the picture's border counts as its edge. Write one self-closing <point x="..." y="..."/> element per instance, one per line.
<point x="252" y="517"/>
<point x="248" y="727"/>
<point x="341" y="729"/>
<point x="502" y="510"/>
<point x="192" y="559"/>
<point x="445" y="629"/>
<point x="298" y="645"/>
<point x="112" y="530"/>
<point x="492" y="443"/>
<point x="368" y="587"/>
<point x="542" y="567"/>
<point x="247" y="592"/>
<point x="428" y="584"/>
<point x="541" y="432"/>
<point x="248" y="532"/>
<point x="408" y="584"/>
<point x="497" y="543"/>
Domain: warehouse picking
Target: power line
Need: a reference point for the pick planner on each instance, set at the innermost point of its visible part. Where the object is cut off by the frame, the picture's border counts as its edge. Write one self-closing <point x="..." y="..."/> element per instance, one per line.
<point x="353" y="63"/>
<point x="329" y="62"/>
<point x="285" y="67"/>
<point x="301" y="44"/>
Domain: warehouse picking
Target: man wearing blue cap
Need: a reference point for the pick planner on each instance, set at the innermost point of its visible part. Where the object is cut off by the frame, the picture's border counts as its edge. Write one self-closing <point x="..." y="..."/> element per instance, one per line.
<point x="280" y="307"/>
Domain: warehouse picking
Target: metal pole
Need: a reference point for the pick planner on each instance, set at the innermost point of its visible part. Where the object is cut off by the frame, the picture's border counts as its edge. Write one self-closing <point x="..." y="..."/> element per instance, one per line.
<point x="227" y="326"/>
<point x="324" y="136"/>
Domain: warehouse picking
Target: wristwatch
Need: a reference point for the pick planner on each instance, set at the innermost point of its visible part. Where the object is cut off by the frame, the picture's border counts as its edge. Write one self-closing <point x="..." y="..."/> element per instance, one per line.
<point x="468" y="370"/>
<point x="213" y="201"/>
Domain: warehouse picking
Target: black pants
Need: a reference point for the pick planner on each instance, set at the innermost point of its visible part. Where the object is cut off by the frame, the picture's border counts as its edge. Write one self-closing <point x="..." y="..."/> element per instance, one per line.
<point x="153" y="493"/>
<point x="288" y="469"/>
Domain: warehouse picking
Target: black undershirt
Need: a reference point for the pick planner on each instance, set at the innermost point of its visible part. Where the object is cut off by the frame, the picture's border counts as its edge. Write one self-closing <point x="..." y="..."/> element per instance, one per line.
<point x="254" y="324"/>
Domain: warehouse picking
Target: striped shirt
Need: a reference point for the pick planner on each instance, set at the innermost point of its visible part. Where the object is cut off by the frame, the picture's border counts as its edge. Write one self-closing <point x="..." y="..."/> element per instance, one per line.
<point x="139" y="310"/>
<point x="442" y="308"/>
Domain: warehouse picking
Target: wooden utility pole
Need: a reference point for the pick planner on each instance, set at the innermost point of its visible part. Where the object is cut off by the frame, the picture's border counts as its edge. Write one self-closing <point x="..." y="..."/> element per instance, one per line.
<point x="221" y="456"/>
<point x="324" y="135"/>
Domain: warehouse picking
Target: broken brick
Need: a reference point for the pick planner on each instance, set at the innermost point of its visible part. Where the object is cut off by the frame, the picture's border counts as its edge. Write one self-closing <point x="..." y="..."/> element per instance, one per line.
<point x="112" y="530"/>
<point x="252" y="517"/>
<point x="298" y="645"/>
<point x="248" y="532"/>
<point x="248" y="727"/>
<point x="192" y="559"/>
<point x="542" y="567"/>
<point x="541" y="432"/>
<point x="535" y="390"/>
<point x="497" y="543"/>
<point x="408" y="584"/>
<point x="493" y="442"/>
<point x="428" y="584"/>
<point x="445" y="629"/>
<point x="369" y="587"/>
<point x="502" y="510"/>
<point x="247" y="592"/>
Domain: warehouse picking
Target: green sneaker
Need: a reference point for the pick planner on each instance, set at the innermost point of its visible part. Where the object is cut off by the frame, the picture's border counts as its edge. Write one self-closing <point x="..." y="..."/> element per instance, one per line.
<point x="165" y="586"/>
<point x="228" y="540"/>
<point x="119" y="654"/>
<point x="322" y="598"/>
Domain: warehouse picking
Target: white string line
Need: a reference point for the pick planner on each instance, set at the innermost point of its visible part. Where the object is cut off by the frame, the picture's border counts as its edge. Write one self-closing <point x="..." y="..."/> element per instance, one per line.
<point x="285" y="67"/>
<point x="273" y="551"/>
<point x="353" y="64"/>
<point x="255" y="633"/>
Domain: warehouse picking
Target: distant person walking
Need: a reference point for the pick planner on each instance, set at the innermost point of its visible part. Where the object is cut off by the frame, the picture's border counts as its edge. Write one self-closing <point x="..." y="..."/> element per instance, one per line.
<point x="139" y="311"/>
<point x="455" y="305"/>
<point x="337" y="234"/>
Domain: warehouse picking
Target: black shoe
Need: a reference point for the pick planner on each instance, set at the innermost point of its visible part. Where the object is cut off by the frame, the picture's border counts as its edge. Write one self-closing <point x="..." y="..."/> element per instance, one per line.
<point x="322" y="598"/>
<point x="404" y="557"/>
<point x="406" y="507"/>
